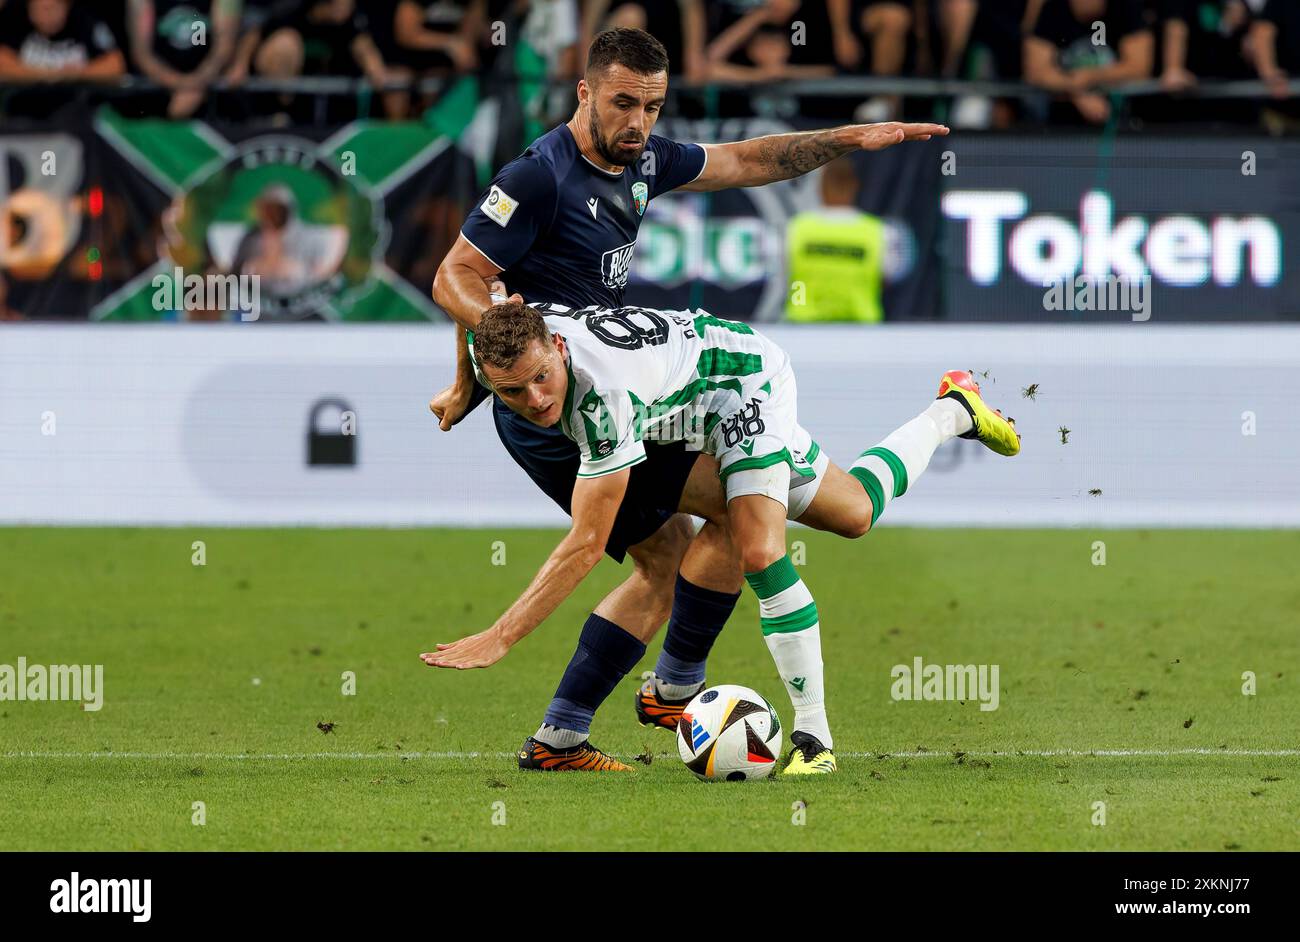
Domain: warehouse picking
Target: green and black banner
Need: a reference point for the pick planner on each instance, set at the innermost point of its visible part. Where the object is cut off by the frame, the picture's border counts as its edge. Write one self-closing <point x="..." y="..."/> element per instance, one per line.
<point x="344" y="223"/>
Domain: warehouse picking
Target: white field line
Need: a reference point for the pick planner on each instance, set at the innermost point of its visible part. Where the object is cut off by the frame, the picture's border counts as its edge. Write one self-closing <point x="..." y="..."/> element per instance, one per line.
<point x="407" y="755"/>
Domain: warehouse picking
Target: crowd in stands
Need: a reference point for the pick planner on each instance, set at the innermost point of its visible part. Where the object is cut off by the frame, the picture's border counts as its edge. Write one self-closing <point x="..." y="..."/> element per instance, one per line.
<point x="1075" y="50"/>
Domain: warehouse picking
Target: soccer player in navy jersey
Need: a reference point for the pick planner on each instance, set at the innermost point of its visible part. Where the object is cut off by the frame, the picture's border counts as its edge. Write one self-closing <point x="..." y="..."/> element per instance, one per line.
<point x="559" y="224"/>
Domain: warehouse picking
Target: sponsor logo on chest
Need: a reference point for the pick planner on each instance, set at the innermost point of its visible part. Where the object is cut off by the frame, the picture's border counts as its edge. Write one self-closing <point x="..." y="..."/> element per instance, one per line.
<point x="614" y="265"/>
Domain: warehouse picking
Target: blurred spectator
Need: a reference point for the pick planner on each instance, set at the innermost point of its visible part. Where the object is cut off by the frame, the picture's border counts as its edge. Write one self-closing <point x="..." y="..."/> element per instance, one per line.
<point x="50" y="40"/>
<point x="183" y="45"/>
<point x="982" y="40"/>
<point x="679" y="24"/>
<point x="552" y="29"/>
<point x="884" y="25"/>
<point x="1080" y="45"/>
<point x="995" y="27"/>
<point x="414" y="40"/>
<point x="768" y="41"/>
<point x="288" y="254"/>
<point x="835" y="254"/>
<point x="438" y="36"/>
<point x="956" y="21"/>
<point x="1275" y="42"/>
<point x="270" y="44"/>
<point x="1201" y="38"/>
<point x="282" y="39"/>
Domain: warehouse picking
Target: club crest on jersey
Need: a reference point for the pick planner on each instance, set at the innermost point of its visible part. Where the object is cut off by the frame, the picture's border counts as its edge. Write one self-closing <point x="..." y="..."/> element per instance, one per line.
<point x="614" y="265"/>
<point x="640" y="196"/>
<point x="499" y="206"/>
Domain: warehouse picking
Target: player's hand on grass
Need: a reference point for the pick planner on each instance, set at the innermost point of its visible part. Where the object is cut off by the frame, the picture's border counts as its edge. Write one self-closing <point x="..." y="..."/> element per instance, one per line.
<point x="889" y="133"/>
<point x="481" y="650"/>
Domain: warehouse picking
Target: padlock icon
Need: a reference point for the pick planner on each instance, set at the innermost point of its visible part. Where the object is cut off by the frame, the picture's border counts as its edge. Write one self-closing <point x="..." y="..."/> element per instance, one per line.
<point x="331" y="433"/>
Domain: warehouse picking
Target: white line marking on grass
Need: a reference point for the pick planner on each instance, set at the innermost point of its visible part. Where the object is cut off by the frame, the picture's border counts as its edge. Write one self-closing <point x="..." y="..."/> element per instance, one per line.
<point x="242" y="756"/>
<point x="1099" y="753"/>
<point x="928" y="754"/>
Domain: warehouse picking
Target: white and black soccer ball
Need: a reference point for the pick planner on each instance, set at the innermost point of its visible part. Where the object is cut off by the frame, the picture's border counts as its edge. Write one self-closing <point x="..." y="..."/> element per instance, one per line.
<point x="729" y="732"/>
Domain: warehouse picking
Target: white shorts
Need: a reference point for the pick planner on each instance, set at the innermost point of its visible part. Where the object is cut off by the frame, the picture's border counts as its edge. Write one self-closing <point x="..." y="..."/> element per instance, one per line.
<point x="762" y="448"/>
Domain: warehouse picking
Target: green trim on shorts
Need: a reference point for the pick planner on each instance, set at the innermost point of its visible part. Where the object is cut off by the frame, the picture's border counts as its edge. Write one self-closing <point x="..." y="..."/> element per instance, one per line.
<point x="601" y="474"/>
<point x="757" y="462"/>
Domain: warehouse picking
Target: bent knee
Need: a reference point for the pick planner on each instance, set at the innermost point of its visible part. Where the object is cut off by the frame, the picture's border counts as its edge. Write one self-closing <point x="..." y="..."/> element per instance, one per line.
<point x="760" y="555"/>
<point x="855" y="527"/>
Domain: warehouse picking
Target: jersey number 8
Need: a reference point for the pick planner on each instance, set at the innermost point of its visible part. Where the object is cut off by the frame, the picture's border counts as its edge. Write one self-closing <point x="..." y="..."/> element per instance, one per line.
<point x="628" y="328"/>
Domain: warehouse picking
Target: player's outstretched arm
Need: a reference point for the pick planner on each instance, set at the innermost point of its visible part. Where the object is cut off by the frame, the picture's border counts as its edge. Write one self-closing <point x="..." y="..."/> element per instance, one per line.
<point x="595" y="504"/>
<point x="762" y="160"/>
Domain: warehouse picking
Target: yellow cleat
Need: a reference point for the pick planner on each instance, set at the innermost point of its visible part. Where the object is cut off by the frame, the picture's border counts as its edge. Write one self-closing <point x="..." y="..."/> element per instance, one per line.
<point x="809" y="756"/>
<point x="990" y="426"/>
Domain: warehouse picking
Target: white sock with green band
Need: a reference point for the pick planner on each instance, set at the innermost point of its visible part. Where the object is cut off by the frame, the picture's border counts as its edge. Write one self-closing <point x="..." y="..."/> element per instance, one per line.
<point x="887" y="470"/>
<point x="789" y="618"/>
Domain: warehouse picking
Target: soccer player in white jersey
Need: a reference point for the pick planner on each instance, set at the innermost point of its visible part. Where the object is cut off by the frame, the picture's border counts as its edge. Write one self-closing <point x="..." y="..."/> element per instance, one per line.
<point x="613" y="379"/>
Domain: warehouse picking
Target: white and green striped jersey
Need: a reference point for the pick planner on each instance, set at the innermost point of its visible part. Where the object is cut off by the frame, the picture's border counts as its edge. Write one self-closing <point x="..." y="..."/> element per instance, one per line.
<point x="638" y="375"/>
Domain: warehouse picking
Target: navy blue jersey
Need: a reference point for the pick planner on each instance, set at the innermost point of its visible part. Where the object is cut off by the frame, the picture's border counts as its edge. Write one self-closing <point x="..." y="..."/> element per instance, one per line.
<point x="562" y="229"/>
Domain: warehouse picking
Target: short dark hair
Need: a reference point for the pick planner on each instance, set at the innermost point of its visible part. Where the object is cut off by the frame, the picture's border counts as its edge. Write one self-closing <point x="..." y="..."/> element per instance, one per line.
<point x="634" y="49"/>
<point x="505" y="331"/>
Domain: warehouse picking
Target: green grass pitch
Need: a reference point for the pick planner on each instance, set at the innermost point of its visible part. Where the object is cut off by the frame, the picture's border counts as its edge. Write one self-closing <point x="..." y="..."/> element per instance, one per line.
<point x="216" y="677"/>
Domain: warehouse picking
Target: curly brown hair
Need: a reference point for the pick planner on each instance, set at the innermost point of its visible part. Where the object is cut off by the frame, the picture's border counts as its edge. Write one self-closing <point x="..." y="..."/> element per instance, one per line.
<point x="505" y="331"/>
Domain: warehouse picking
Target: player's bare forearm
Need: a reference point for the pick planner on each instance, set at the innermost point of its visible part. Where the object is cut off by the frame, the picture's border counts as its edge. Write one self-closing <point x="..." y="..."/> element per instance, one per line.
<point x="762" y="160"/>
<point x="785" y="156"/>
<point x="460" y="286"/>
<point x="566" y="567"/>
<point x="569" y="563"/>
<point x="461" y="292"/>
<point x="595" y="504"/>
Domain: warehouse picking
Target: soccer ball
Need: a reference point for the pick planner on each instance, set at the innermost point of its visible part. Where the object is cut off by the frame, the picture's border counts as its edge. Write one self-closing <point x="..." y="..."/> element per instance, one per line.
<point x="729" y="732"/>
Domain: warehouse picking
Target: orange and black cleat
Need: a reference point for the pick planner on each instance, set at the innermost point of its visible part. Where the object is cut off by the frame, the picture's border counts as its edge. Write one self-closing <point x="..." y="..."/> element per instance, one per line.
<point x="654" y="710"/>
<point x="584" y="757"/>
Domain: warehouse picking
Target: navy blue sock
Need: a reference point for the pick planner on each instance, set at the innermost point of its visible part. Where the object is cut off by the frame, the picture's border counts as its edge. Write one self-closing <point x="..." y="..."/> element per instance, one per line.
<point x="697" y="620"/>
<point x="605" y="654"/>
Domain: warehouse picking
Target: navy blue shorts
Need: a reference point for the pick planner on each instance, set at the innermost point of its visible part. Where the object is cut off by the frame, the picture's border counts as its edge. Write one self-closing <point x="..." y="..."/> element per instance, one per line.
<point x="551" y="460"/>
